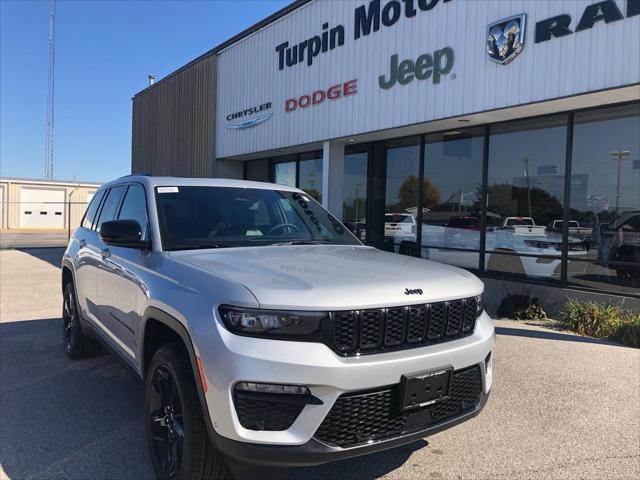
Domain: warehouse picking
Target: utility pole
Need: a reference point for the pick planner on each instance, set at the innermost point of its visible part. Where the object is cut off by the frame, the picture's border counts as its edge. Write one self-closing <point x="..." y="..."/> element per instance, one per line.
<point x="48" y="156"/>
<point x="357" y="185"/>
<point x="526" y="161"/>
<point x="619" y="156"/>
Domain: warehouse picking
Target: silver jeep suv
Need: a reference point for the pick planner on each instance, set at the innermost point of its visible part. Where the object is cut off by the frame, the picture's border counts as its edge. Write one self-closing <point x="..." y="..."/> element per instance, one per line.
<point x="267" y="335"/>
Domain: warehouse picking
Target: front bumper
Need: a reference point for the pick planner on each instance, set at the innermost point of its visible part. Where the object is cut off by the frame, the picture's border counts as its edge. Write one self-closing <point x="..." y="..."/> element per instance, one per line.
<point x="228" y="359"/>
<point x="315" y="452"/>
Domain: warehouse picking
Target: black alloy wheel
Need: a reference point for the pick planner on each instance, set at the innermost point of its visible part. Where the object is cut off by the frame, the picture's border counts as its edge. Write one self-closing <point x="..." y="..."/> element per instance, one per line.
<point x="70" y="324"/>
<point x="166" y="424"/>
<point x="76" y="344"/>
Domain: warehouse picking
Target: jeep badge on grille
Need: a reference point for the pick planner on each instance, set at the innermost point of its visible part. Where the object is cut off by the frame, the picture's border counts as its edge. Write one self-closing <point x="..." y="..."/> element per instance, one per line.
<point x="414" y="291"/>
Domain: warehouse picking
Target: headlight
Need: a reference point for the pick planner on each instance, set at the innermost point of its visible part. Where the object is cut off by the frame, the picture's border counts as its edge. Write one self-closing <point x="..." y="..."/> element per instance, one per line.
<point x="271" y="323"/>
<point x="479" y="304"/>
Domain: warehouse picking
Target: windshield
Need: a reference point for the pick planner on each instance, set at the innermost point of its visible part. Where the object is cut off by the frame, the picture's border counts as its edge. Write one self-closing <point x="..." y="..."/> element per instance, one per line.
<point x="214" y="217"/>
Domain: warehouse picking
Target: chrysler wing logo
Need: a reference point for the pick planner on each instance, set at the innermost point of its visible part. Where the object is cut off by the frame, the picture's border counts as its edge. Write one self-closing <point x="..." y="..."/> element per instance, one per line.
<point x="505" y="38"/>
<point x="251" y="122"/>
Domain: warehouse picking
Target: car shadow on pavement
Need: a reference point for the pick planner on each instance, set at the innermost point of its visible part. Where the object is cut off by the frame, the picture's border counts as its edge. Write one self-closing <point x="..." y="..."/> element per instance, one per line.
<point x="66" y="419"/>
<point x="545" y="335"/>
<point x="367" y="467"/>
<point x="52" y="256"/>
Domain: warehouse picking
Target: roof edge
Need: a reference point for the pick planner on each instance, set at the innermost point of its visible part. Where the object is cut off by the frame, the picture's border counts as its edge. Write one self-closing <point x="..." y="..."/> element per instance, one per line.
<point x="236" y="38"/>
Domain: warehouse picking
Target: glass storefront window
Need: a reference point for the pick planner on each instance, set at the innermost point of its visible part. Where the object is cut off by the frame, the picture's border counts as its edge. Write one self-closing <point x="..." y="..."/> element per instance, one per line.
<point x="354" y="206"/>
<point x="525" y="191"/>
<point x="605" y="199"/>
<point x="311" y="174"/>
<point x="258" y="170"/>
<point x="451" y="199"/>
<point x="284" y="171"/>
<point x="402" y="187"/>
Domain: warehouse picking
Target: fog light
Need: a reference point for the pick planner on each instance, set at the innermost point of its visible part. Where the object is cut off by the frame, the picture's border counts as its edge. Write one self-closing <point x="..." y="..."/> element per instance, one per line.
<point x="272" y="388"/>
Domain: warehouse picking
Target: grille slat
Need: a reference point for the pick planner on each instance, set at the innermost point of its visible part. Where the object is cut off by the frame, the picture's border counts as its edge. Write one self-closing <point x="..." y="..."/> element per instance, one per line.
<point x="379" y="330"/>
<point x="437" y="320"/>
<point x="395" y="326"/>
<point x="357" y="418"/>
<point x="454" y="317"/>
<point x="370" y="329"/>
<point x="416" y="324"/>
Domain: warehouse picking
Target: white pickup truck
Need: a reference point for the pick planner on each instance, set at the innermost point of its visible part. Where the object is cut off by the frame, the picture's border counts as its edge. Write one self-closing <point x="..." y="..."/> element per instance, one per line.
<point x="523" y="226"/>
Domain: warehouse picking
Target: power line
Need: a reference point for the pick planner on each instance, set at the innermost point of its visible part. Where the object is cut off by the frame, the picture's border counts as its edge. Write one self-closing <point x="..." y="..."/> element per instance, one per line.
<point x="48" y="156"/>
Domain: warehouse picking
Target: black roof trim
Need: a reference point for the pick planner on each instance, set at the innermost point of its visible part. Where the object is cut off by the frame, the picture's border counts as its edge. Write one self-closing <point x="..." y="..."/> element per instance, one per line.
<point x="236" y="38"/>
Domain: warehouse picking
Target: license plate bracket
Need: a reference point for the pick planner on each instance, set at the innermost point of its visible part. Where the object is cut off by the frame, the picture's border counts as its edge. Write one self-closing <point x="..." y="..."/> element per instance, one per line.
<point x="425" y="388"/>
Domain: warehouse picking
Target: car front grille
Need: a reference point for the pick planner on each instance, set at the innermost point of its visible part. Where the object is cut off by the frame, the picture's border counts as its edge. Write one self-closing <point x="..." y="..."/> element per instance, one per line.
<point x="377" y="330"/>
<point x="258" y="414"/>
<point x="358" y="418"/>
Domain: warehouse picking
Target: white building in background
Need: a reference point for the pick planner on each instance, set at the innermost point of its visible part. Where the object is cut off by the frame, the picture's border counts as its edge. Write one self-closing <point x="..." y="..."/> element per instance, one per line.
<point x="43" y="204"/>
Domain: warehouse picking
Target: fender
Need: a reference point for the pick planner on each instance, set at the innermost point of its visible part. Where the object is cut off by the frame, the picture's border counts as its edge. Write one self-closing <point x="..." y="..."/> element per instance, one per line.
<point x="175" y="325"/>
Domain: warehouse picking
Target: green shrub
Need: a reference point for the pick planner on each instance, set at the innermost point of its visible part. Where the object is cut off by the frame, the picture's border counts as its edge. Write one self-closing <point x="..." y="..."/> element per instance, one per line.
<point x="521" y="307"/>
<point x="602" y="320"/>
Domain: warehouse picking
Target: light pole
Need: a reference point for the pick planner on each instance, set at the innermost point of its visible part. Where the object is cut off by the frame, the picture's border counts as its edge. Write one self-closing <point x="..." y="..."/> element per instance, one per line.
<point x="619" y="155"/>
<point x="526" y="161"/>
<point x="357" y="185"/>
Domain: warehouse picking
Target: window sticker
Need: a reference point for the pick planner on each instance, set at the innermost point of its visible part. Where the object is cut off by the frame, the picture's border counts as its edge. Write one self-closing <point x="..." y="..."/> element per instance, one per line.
<point x="167" y="189"/>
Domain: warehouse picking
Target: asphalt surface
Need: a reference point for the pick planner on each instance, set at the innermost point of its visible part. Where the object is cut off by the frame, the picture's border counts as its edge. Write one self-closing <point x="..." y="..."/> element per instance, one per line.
<point x="562" y="406"/>
<point x="13" y="239"/>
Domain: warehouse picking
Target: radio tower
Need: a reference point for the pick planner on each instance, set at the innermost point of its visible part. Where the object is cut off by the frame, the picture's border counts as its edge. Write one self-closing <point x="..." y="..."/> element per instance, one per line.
<point x="48" y="156"/>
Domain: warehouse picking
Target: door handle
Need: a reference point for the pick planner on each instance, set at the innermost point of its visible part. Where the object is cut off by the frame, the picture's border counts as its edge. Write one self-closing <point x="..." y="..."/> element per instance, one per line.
<point x="104" y="253"/>
<point x="83" y="243"/>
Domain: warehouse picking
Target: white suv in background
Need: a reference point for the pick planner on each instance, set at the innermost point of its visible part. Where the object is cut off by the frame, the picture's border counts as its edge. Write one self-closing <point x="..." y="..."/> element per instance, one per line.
<point x="266" y="334"/>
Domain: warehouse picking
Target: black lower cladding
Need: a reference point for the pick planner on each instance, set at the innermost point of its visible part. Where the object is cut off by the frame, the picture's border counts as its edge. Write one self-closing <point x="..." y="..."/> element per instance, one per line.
<point x="267" y="414"/>
<point x="358" y="418"/>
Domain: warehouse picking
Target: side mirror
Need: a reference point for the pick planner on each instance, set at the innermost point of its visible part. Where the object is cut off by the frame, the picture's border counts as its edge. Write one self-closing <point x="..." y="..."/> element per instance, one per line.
<point x="123" y="233"/>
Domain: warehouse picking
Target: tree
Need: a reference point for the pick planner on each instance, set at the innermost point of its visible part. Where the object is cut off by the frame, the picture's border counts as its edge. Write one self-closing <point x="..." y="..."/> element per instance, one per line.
<point x="510" y="201"/>
<point x="409" y="192"/>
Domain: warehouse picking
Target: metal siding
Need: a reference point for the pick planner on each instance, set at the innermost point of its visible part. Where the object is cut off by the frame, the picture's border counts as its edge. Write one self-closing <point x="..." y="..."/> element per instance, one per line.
<point x="173" y="131"/>
<point x="607" y="56"/>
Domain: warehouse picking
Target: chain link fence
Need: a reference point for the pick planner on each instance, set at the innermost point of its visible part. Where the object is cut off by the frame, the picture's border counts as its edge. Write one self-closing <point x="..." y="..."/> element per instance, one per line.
<point x="39" y="224"/>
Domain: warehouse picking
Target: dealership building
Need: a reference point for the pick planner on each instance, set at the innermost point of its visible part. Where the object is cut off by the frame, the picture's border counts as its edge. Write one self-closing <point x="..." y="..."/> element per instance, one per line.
<point x="499" y="136"/>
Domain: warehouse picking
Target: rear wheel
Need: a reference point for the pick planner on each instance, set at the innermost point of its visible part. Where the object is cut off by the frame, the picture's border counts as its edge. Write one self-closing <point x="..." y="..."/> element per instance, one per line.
<point x="177" y="436"/>
<point x="76" y="344"/>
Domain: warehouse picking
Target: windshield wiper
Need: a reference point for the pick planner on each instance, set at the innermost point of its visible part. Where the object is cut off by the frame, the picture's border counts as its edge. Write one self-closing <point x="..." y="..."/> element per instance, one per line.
<point x="300" y="242"/>
<point x="200" y="246"/>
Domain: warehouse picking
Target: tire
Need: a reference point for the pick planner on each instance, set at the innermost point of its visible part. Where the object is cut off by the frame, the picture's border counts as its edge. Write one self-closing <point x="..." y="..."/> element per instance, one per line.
<point x="177" y="435"/>
<point x="76" y="344"/>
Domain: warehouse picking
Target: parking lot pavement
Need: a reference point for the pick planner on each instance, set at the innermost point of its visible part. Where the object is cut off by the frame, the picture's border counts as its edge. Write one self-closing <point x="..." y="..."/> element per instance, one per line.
<point x="13" y="239"/>
<point x="562" y="406"/>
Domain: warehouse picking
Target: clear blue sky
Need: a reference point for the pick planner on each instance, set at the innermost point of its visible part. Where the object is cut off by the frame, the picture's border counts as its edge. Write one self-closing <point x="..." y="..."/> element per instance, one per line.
<point x="104" y="52"/>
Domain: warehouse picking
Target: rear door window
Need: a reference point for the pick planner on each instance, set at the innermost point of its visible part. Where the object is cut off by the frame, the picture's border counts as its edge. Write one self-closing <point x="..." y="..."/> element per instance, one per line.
<point x="111" y="205"/>
<point x="92" y="210"/>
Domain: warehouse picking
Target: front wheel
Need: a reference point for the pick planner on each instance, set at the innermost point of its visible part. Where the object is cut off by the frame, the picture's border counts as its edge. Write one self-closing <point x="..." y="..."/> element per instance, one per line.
<point x="177" y="436"/>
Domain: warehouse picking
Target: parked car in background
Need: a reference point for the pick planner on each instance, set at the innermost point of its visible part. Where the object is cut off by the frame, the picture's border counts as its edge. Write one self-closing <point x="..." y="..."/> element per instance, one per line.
<point x="267" y="335"/>
<point x="523" y="226"/>
<point x="619" y="241"/>
<point x="519" y="246"/>
<point x="575" y="230"/>
<point x="399" y="224"/>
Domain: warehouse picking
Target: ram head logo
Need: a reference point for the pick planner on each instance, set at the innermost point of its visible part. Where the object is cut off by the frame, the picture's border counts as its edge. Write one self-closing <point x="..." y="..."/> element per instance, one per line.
<point x="505" y="38"/>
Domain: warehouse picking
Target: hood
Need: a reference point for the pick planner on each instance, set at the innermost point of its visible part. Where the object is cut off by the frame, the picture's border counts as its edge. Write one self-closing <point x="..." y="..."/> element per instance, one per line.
<point x="333" y="277"/>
